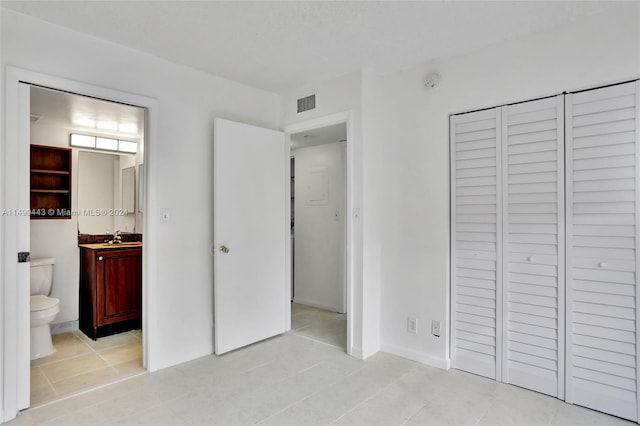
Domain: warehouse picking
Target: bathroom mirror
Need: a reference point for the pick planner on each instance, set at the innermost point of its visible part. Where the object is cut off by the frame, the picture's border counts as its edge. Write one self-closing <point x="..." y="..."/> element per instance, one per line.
<point x="106" y="192"/>
<point x="128" y="189"/>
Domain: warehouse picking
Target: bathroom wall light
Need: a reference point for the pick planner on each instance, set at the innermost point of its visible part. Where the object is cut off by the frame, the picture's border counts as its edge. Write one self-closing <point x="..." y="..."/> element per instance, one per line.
<point x="103" y="144"/>
<point x="107" y="144"/>
<point x="83" y="141"/>
<point x="126" y="146"/>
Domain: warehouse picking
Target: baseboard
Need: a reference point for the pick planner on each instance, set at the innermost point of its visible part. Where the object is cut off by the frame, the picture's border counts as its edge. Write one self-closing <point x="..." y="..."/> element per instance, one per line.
<point x="316" y="304"/>
<point x="356" y="352"/>
<point x="420" y="357"/>
<point x="64" y="327"/>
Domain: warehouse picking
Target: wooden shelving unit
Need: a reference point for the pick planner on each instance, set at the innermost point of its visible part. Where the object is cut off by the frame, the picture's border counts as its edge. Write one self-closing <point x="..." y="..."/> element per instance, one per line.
<point x="50" y="182"/>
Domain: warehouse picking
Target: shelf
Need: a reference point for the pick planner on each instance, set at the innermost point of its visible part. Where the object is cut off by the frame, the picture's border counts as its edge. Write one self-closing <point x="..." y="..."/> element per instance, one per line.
<point x="51" y="191"/>
<point x="50" y="182"/>
<point x="53" y="172"/>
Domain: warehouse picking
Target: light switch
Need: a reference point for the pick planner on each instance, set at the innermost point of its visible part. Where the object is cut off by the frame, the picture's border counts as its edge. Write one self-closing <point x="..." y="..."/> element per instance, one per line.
<point x="165" y="215"/>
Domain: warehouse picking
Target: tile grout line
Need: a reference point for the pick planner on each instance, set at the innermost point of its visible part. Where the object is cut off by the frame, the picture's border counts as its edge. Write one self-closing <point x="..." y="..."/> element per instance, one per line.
<point x="84" y="392"/>
<point x="48" y="382"/>
<point x="93" y="370"/>
<point x="316" y="340"/>
<point x="92" y="351"/>
<point x="372" y="396"/>
<point x="328" y="385"/>
<point x="66" y="358"/>
<point x="296" y="402"/>
<point x="425" y="405"/>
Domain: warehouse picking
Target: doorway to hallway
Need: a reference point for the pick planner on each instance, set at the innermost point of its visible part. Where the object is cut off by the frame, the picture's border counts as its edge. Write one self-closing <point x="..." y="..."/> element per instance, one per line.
<point x="319" y="234"/>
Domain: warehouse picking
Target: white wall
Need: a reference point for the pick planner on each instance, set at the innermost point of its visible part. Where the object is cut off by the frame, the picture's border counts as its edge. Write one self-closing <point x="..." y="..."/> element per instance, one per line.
<point x="58" y="238"/>
<point x="320" y="228"/>
<point x="406" y="131"/>
<point x="179" y="157"/>
<point x="401" y="154"/>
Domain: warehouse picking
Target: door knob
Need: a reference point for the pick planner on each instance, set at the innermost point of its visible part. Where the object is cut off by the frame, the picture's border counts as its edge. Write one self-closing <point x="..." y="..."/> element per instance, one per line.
<point x="602" y="264"/>
<point x="531" y="259"/>
<point x="100" y="258"/>
<point x="224" y="249"/>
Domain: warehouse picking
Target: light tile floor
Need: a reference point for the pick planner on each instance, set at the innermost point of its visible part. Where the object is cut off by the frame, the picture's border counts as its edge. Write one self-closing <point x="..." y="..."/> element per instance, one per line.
<point x="80" y="363"/>
<point x="325" y="326"/>
<point x="291" y="380"/>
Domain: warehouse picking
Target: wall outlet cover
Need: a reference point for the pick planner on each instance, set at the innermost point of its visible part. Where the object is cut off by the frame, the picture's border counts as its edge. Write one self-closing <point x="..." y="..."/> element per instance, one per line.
<point x="435" y="328"/>
<point x="412" y="325"/>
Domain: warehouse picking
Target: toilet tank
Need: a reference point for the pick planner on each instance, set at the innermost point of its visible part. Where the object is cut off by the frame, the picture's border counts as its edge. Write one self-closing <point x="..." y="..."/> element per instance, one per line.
<point x="42" y="275"/>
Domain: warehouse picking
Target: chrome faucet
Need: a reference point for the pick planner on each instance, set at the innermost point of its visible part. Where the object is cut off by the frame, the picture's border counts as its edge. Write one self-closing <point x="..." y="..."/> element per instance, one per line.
<point x="116" y="238"/>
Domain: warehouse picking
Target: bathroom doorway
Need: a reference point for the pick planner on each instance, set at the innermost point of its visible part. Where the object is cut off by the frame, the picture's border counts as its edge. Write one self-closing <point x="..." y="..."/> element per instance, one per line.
<point x="95" y="202"/>
<point x="319" y="222"/>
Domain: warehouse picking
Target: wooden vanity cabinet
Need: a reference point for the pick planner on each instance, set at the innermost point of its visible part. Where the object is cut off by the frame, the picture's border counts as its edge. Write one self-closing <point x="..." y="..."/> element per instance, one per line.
<point x="110" y="290"/>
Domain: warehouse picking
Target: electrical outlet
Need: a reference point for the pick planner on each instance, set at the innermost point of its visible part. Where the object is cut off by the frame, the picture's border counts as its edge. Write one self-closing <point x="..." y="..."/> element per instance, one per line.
<point x="435" y="328"/>
<point x="412" y="325"/>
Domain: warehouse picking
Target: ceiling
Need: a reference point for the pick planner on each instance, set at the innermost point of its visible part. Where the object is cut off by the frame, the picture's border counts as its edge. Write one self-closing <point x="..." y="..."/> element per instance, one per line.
<point x="320" y="136"/>
<point x="280" y="45"/>
<point x="86" y="115"/>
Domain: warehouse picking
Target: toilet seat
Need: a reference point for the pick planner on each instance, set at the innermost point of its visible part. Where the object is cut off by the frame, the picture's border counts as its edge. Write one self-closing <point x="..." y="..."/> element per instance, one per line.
<point x="40" y="302"/>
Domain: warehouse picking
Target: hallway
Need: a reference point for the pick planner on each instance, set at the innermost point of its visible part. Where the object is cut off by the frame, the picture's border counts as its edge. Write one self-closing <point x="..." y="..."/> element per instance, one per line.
<point x="318" y="324"/>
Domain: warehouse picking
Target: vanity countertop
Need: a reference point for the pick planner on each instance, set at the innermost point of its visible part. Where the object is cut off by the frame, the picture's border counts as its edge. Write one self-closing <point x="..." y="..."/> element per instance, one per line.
<point x="107" y="246"/>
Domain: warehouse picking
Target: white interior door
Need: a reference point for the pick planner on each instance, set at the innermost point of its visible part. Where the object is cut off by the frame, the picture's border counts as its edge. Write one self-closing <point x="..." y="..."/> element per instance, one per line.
<point x="251" y="281"/>
<point x="533" y="227"/>
<point x="476" y="236"/>
<point x="602" y="249"/>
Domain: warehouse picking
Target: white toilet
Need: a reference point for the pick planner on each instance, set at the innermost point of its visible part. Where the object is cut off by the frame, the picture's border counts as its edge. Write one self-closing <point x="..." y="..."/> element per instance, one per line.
<point x="43" y="308"/>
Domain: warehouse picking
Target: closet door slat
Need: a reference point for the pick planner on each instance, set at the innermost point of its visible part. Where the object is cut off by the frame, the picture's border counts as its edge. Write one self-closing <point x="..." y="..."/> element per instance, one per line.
<point x="602" y="249"/>
<point x="533" y="302"/>
<point x="476" y="252"/>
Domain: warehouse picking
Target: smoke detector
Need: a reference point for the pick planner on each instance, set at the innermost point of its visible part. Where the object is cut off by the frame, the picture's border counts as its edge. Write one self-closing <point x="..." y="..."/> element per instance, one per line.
<point x="432" y="81"/>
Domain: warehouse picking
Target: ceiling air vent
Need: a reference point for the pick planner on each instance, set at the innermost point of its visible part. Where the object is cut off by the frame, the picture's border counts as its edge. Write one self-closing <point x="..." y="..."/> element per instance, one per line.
<point x="307" y="103"/>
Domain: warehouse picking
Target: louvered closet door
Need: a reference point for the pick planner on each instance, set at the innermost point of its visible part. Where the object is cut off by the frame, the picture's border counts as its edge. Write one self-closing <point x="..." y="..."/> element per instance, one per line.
<point x="476" y="242"/>
<point x="602" y="249"/>
<point x="533" y="218"/>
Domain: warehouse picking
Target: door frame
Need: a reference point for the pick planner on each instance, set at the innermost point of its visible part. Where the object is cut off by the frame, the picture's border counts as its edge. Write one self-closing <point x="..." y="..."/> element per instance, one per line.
<point x="15" y="163"/>
<point x="315" y="123"/>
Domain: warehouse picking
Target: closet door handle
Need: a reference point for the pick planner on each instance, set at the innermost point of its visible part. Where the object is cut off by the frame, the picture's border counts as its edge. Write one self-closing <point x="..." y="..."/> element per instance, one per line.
<point x="531" y="259"/>
<point x="100" y="258"/>
<point x="602" y="264"/>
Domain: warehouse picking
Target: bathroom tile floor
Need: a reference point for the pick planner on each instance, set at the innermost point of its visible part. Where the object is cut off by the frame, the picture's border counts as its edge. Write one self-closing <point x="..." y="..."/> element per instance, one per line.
<point x="293" y="380"/>
<point x="80" y="363"/>
<point x="319" y="324"/>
